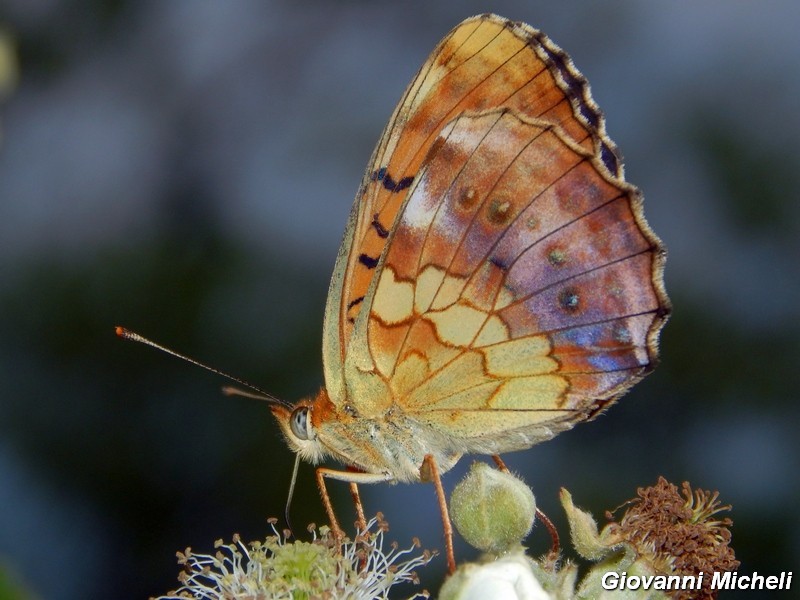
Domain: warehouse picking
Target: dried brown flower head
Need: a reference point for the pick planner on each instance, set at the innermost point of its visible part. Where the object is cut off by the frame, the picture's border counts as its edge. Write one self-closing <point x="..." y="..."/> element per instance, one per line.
<point x="677" y="534"/>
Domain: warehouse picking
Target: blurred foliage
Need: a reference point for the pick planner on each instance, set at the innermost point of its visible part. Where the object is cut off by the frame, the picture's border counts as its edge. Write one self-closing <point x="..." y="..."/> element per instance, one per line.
<point x="10" y="586"/>
<point x="9" y="67"/>
<point x="151" y="444"/>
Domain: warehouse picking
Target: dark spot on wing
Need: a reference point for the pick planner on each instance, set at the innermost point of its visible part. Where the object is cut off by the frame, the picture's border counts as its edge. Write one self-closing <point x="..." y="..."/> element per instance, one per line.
<point x="499" y="211"/>
<point x="569" y="300"/>
<point x="498" y="263"/>
<point x="368" y="261"/>
<point x="557" y="257"/>
<point x="467" y="198"/>
<point x="389" y="183"/>
<point x="379" y="229"/>
<point x="355" y="302"/>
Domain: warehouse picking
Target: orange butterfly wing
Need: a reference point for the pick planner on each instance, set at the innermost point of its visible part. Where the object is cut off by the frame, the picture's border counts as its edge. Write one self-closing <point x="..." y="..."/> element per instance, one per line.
<point x="485" y="62"/>
<point x="497" y="282"/>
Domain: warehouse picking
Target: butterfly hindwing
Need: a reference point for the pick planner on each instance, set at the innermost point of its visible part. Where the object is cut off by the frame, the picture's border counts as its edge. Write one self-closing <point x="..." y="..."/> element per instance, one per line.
<point x="518" y="278"/>
<point x="496" y="264"/>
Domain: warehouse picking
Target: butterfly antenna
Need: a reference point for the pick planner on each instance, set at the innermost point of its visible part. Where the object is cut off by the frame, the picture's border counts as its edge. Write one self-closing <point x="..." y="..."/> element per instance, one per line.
<point x="127" y="334"/>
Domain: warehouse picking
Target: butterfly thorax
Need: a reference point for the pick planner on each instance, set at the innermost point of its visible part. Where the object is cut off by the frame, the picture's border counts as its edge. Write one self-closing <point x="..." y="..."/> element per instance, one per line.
<point x="391" y="444"/>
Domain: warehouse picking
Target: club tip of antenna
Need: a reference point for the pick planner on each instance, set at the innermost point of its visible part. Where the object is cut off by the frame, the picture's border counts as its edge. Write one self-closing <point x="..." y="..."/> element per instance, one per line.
<point x="127" y="334"/>
<point x="123" y="333"/>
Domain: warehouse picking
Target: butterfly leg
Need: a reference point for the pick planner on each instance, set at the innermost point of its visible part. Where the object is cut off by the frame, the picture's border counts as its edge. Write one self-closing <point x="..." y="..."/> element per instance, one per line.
<point x="556" y="547"/>
<point x="429" y="471"/>
<point x="361" y="523"/>
<point x="338" y="534"/>
<point x="353" y="478"/>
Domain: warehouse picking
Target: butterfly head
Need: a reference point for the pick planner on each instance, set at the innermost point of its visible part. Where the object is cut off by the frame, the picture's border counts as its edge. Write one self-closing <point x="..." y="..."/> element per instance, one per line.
<point x="299" y="423"/>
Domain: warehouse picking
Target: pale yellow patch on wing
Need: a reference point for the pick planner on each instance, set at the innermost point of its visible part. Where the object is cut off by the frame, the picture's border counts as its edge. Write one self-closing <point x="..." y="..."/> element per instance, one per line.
<point x="538" y="392"/>
<point x="372" y="391"/>
<point x="493" y="331"/>
<point x="519" y="358"/>
<point x="439" y="355"/>
<point x="457" y="325"/>
<point x="504" y="431"/>
<point x="504" y="298"/>
<point x="394" y="300"/>
<point x="410" y="373"/>
<point x="449" y="292"/>
<point x="435" y="290"/>
<point x="460" y="374"/>
<point x="472" y="399"/>
<point x="428" y="283"/>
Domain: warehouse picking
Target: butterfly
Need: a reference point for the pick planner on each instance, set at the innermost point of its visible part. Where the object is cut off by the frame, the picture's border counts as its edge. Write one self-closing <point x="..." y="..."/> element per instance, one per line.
<point x="497" y="282"/>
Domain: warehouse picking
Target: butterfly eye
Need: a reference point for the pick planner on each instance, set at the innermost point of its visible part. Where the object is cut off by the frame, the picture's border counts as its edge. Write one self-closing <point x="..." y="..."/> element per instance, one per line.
<point x="298" y="422"/>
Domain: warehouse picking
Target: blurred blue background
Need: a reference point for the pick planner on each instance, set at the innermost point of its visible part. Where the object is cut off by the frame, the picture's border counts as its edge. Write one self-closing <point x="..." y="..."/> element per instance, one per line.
<point x="186" y="168"/>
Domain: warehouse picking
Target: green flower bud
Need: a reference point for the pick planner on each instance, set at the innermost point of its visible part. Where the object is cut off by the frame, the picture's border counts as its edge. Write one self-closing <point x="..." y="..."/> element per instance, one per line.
<point x="492" y="510"/>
